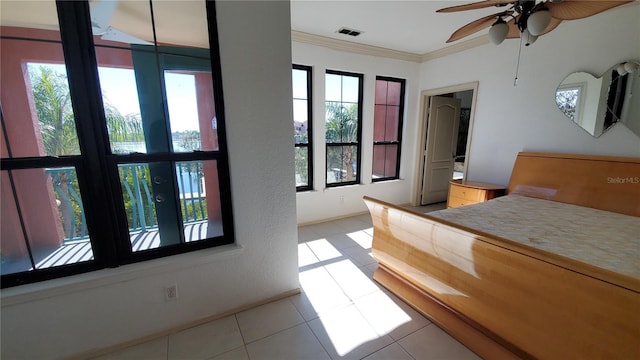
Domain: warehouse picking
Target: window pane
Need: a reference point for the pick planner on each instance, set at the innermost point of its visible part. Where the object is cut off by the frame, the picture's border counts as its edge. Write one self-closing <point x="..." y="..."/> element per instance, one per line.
<point x="300" y="123"/>
<point x="149" y="209"/>
<point x="350" y="89"/>
<point x="394" y="92"/>
<point x="381" y="92"/>
<point x="387" y="127"/>
<point x="199" y="199"/>
<point x="191" y="113"/>
<point x="48" y="204"/>
<point x="299" y="81"/>
<point x="386" y="123"/>
<point x="300" y="113"/>
<point x="121" y="102"/>
<point x="145" y="109"/>
<point x="302" y="165"/>
<point x="301" y="126"/>
<point x="333" y="87"/>
<point x="341" y="123"/>
<point x="140" y="205"/>
<point x="385" y="161"/>
<point x="341" y="163"/>
<point x="34" y="90"/>
<point x="379" y="116"/>
<point x="190" y="104"/>
<point x="391" y="123"/>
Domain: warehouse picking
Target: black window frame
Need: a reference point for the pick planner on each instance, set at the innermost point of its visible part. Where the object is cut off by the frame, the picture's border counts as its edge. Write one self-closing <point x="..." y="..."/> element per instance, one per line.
<point x="358" y="144"/>
<point x="309" y="144"/>
<point x="397" y="142"/>
<point x="96" y="166"/>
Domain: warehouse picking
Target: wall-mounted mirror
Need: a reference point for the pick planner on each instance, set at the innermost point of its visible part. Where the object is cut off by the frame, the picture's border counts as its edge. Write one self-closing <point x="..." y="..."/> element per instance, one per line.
<point x="598" y="103"/>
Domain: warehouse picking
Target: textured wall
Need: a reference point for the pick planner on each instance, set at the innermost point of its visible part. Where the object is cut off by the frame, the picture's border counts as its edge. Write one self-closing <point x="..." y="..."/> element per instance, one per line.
<point x="334" y="202"/>
<point x="62" y="317"/>
<point x="509" y="119"/>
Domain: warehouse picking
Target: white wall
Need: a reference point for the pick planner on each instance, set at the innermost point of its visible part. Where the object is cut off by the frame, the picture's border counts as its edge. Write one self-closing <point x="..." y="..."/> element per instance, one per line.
<point x="510" y="119"/>
<point x="324" y="203"/>
<point x="62" y="317"/>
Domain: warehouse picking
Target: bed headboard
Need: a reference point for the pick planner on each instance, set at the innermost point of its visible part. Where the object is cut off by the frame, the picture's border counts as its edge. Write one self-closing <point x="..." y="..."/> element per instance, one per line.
<point x="599" y="182"/>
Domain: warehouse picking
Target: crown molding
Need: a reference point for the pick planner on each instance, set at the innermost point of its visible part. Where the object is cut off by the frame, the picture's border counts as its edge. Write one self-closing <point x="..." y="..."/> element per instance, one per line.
<point x="459" y="47"/>
<point x="353" y="47"/>
<point x="349" y="46"/>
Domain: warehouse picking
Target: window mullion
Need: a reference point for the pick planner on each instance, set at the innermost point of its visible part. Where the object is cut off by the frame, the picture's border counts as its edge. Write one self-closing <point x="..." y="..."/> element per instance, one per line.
<point x="81" y="63"/>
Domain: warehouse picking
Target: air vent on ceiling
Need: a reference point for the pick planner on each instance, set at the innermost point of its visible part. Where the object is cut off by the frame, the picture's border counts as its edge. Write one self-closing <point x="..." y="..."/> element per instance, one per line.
<point x="347" y="31"/>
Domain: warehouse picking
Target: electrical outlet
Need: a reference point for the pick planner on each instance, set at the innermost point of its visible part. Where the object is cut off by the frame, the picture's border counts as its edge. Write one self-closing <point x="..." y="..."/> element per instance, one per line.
<point x="171" y="292"/>
<point x="341" y="199"/>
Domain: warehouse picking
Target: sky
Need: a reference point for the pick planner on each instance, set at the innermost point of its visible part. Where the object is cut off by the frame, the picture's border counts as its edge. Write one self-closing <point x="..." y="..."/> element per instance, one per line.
<point x="119" y="88"/>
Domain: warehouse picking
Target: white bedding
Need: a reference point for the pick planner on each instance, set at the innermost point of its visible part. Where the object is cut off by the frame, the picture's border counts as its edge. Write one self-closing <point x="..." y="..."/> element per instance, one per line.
<point x="600" y="238"/>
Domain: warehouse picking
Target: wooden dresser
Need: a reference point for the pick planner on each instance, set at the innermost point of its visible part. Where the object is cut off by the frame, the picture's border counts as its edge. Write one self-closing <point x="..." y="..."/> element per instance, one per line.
<point x="469" y="192"/>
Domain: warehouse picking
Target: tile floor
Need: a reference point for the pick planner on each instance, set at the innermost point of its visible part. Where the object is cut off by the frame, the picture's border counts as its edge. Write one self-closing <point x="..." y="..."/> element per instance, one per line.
<point x="341" y="313"/>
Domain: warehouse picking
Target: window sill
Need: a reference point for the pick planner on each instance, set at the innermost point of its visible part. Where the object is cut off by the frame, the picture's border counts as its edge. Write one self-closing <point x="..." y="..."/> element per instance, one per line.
<point x="386" y="181"/>
<point x="62" y="286"/>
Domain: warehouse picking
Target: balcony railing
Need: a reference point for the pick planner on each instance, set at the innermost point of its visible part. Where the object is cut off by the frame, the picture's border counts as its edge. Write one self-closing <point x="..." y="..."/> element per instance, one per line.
<point x="137" y="196"/>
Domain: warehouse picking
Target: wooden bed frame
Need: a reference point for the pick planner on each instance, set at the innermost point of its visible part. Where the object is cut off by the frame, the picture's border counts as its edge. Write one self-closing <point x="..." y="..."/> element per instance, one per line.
<point x="505" y="300"/>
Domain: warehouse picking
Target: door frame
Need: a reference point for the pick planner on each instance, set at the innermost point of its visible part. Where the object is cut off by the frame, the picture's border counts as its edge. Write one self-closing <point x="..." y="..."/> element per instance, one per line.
<point x="423" y="121"/>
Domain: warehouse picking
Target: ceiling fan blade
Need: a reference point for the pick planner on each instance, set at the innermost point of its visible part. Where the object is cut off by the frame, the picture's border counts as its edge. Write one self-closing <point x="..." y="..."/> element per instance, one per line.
<point x="475" y="26"/>
<point x="101" y="13"/>
<point x="552" y="25"/>
<point x="578" y="9"/>
<point x="514" y="32"/>
<point x="119" y="36"/>
<point x="476" y="5"/>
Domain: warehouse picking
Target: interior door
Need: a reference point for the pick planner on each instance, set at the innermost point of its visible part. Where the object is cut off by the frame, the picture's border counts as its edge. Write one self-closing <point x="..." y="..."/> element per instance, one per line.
<point x="443" y="119"/>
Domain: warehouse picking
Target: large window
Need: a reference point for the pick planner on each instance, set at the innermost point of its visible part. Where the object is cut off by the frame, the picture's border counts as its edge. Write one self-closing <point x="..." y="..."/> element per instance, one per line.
<point x="110" y="156"/>
<point x="343" y="127"/>
<point x="301" y="78"/>
<point x="387" y="128"/>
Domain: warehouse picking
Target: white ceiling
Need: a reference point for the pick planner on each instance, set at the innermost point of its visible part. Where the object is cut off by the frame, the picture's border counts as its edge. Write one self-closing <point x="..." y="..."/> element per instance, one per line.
<point x="409" y="26"/>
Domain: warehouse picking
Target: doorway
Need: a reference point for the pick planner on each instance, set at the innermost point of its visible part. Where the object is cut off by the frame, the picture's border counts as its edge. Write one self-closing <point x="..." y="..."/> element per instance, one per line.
<point x="446" y="124"/>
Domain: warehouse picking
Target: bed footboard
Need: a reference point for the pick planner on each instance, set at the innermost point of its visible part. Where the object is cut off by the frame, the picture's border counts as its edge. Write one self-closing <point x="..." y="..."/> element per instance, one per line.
<point x="499" y="301"/>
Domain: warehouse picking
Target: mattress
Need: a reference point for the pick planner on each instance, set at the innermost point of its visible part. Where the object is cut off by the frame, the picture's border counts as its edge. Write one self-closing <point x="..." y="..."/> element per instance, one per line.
<point x="601" y="238"/>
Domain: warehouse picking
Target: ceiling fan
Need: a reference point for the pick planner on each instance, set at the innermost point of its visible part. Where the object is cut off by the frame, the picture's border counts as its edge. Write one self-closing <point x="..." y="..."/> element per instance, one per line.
<point x="101" y="14"/>
<point x="527" y="18"/>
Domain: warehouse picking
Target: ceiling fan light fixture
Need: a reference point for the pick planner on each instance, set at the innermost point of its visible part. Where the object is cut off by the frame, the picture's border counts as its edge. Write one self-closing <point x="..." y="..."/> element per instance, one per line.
<point x="630" y="66"/>
<point x="538" y="22"/>
<point x="621" y="70"/>
<point x="529" y="39"/>
<point x="498" y="32"/>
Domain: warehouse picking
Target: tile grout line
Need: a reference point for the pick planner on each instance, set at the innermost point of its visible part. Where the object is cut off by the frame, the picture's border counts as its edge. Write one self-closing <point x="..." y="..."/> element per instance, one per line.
<point x="318" y="339"/>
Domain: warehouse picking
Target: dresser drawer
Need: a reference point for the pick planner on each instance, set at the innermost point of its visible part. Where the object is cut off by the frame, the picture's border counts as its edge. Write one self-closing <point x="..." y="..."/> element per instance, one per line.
<point x="456" y="201"/>
<point x="465" y="193"/>
<point x="468" y="192"/>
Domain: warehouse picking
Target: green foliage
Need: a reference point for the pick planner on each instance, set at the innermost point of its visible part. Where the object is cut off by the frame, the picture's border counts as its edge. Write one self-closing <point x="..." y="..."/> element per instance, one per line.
<point x="53" y="108"/>
<point x="136" y="195"/>
<point x="67" y="191"/>
<point x="341" y="127"/>
<point x="57" y="125"/>
<point x="301" y="165"/>
<point x="188" y="140"/>
<point x="123" y="128"/>
<point x="194" y="211"/>
<point x="341" y="123"/>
